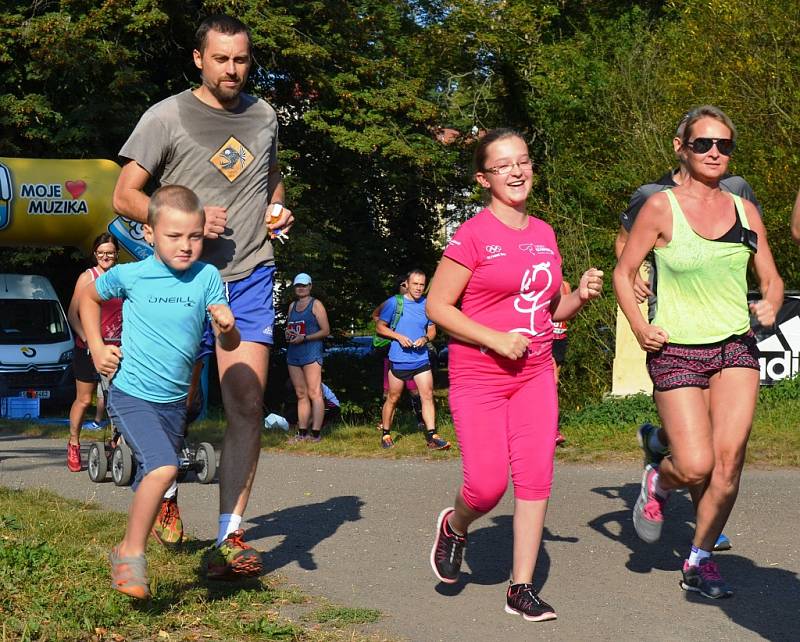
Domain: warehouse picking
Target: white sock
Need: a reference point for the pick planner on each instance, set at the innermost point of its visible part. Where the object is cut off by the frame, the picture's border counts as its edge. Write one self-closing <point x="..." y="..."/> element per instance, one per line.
<point x="228" y="522"/>
<point x="698" y="555"/>
<point x="171" y="491"/>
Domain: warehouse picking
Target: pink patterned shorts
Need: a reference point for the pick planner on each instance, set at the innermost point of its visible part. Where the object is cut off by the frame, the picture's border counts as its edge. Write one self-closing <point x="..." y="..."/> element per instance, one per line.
<point x="682" y="366"/>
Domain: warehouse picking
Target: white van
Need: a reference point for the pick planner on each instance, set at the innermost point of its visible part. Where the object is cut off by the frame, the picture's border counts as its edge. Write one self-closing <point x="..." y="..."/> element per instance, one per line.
<point x="36" y="341"/>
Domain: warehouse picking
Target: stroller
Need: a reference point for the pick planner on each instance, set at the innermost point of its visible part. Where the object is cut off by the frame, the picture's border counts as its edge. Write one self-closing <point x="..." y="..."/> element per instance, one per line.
<point x="114" y="454"/>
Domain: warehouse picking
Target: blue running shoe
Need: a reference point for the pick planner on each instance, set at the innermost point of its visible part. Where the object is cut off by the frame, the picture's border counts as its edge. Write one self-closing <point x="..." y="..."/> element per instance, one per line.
<point x="651" y="456"/>
<point x="723" y="543"/>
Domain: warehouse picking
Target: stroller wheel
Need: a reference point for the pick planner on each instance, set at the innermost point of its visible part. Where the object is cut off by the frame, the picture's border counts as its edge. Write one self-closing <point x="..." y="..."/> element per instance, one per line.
<point x="98" y="462"/>
<point x="206" y="463"/>
<point x="122" y="464"/>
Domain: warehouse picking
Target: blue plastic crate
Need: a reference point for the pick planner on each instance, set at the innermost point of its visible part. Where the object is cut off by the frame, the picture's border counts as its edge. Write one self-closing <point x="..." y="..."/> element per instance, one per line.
<point x="19" y="408"/>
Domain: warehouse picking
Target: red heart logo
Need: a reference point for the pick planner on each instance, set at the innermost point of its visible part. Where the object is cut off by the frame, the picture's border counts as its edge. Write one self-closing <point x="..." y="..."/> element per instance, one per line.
<point x="76" y="188"/>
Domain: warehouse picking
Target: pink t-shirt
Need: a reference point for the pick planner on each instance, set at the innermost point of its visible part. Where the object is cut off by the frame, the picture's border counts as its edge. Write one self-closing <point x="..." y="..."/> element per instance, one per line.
<point x="515" y="275"/>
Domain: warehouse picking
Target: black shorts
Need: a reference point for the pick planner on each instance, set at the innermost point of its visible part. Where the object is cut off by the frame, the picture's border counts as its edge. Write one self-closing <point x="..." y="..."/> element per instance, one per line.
<point x="83" y="366"/>
<point x="560" y="351"/>
<point x="408" y="375"/>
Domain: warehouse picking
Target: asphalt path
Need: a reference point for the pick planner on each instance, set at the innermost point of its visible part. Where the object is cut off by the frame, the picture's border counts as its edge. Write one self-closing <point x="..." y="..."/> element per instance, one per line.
<point x="359" y="531"/>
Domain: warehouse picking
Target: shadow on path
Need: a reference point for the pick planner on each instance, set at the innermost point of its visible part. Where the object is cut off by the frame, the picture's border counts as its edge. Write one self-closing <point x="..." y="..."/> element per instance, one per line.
<point x="489" y="555"/>
<point x="668" y="553"/>
<point x="767" y="599"/>
<point x="303" y="527"/>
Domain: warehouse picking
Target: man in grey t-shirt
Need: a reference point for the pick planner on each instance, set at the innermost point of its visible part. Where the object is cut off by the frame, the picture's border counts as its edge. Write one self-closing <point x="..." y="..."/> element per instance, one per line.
<point x="222" y="144"/>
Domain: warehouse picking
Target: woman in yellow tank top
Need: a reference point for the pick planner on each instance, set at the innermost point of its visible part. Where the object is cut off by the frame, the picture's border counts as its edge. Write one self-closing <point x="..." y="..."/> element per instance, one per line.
<point x="702" y="355"/>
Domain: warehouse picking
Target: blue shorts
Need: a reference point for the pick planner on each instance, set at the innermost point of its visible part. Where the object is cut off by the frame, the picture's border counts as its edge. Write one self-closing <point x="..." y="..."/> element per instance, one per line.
<point x="250" y="299"/>
<point x="154" y="431"/>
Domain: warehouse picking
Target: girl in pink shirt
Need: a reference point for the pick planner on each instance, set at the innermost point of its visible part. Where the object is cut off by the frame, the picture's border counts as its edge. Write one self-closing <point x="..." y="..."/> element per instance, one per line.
<point x="505" y="268"/>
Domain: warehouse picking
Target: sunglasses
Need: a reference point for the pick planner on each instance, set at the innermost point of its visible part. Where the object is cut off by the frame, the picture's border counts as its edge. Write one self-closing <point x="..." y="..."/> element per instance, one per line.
<point x="725" y="146"/>
<point x="108" y="255"/>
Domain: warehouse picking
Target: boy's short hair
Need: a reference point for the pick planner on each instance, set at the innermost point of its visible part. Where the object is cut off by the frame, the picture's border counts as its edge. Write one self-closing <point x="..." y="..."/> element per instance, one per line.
<point x="176" y="197"/>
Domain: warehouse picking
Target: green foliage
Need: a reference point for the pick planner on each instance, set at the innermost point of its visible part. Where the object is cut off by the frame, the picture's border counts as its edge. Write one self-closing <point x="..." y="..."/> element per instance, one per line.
<point x="362" y="88"/>
<point x="635" y="409"/>
<point x="784" y="390"/>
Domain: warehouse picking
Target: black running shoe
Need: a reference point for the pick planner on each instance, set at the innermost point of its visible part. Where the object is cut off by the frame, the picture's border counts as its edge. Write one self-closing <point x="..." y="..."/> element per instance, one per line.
<point x="705" y="579"/>
<point x="447" y="551"/>
<point x="522" y="600"/>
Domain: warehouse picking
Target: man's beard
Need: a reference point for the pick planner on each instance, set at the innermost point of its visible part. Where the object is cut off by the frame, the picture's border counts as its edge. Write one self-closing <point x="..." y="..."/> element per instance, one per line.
<point x="224" y="94"/>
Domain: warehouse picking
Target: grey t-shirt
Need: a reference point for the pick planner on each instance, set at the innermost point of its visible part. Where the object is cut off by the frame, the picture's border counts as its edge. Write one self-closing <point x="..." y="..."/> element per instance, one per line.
<point x="224" y="157"/>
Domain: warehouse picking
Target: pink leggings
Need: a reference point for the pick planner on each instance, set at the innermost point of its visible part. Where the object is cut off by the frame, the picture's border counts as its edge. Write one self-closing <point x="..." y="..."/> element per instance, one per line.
<point x="504" y="421"/>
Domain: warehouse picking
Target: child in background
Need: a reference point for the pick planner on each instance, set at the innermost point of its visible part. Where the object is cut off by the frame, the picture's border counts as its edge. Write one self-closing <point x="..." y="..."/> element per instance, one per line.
<point x="166" y="299"/>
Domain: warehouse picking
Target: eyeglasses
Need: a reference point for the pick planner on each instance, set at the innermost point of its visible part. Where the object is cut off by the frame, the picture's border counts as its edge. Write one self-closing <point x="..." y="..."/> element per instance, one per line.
<point x="107" y="255"/>
<point x="505" y="168"/>
<point x="725" y="146"/>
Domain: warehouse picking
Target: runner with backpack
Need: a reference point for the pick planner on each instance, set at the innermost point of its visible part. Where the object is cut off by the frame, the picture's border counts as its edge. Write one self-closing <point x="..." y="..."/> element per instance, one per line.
<point x="408" y="357"/>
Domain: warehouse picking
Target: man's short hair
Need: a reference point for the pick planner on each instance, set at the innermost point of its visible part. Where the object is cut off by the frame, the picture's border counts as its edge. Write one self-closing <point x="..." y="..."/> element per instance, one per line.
<point x="220" y="23"/>
<point x="413" y="271"/>
<point x="176" y="197"/>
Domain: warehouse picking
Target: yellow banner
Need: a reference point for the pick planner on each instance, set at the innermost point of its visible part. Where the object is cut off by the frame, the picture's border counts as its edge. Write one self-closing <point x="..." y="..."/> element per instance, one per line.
<point x="53" y="202"/>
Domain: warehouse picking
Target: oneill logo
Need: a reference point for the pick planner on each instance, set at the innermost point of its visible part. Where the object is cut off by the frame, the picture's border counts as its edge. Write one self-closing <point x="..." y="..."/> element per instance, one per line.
<point x="182" y="300"/>
<point x="28" y="351"/>
<point x="780" y="353"/>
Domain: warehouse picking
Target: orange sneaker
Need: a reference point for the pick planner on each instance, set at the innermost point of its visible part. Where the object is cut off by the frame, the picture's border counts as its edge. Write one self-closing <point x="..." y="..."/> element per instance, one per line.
<point x="233" y="559"/>
<point x="168" y="527"/>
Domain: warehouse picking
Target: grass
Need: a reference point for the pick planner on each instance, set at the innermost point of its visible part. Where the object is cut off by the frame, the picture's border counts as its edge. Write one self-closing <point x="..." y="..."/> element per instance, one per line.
<point x="341" y="615"/>
<point x="54" y="585"/>
<point x="598" y="432"/>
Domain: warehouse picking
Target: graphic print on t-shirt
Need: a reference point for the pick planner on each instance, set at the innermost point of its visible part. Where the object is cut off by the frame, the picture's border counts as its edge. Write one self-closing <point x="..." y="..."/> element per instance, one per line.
<point x="530" y="293"/>
<point x="232" y="159"/>
<point x="535" y="283"/>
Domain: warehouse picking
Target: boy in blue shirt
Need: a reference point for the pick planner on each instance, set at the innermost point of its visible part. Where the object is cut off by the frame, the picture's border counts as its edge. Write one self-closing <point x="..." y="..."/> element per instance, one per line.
<point x="166" y="299"/>
<point x="408" y="358"/>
